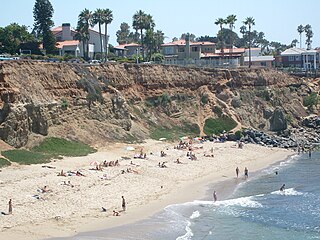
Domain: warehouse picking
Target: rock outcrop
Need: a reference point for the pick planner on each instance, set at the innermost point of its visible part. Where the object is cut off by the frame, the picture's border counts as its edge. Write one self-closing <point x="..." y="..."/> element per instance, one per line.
<point x="121" y="102"/>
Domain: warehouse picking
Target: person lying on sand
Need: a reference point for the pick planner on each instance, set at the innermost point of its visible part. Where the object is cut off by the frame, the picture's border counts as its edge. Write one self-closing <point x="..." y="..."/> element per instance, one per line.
<point x="163" y="165"/>
<point x="78" y="173"/>
<point x="162" y="154"/>
<point x="45" y="189"/>
<point x="208" y="155"/>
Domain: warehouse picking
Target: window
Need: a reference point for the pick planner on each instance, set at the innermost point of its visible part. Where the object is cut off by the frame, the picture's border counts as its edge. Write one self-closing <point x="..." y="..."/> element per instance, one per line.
<point x="168" y="50"/>
<point x="181" y="49"/>
<point x="298" y="58"/>
<point x="194" y="49"/>
<point x="291" y="58"/>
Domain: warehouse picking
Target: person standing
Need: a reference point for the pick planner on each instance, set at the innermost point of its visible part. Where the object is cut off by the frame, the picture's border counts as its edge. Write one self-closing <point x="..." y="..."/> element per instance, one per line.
<point x="246" y="172"/>
<point x="282" y="187"/>
<point x="215" y="196"/>
<point x="123" y="204"/>
<point x="10" y="206"/>
<point x="237" y="172"/>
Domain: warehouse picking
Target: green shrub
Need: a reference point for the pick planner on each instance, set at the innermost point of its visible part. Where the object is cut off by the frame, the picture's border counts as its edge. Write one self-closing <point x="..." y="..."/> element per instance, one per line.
<point x="174" y="132"/>
<point x="311" y="100"/>
<point x="217" y="110"/>
<point x="25" y="157"/>
<point x="204" y="99"/>
<point x="239" y="134"/>
<point x="4" y="162"/>
<point x="64" y="103"/>
<point x="218" y="125"/>
<point x="62" y="147"/>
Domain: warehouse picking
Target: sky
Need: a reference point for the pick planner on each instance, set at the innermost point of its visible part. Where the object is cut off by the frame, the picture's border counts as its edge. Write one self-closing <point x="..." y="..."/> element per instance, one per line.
<point x="278" y="19"/>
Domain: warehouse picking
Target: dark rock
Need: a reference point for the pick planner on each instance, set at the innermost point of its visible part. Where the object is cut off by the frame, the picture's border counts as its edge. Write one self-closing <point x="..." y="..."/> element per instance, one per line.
<point x="278" y="121"/>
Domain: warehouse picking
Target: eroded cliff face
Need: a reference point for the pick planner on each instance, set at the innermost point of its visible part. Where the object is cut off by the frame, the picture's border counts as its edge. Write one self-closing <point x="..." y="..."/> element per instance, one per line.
<point x="121" y="102"/>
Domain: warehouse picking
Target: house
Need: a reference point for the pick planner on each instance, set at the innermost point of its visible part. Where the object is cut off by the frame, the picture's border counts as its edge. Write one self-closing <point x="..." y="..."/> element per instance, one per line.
<point x="68" y="44"/>
<point x="200" y="54"/>
<point x="127" y="50"/>
<point x="262" y="61"/>
<point x="182" y="50"/>
<point x="300" y="58"/>
<point x="258" y="59"/>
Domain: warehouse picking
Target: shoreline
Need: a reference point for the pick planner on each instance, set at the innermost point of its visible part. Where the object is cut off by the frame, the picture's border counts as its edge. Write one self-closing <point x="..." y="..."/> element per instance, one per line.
<point x="183" y="189"/>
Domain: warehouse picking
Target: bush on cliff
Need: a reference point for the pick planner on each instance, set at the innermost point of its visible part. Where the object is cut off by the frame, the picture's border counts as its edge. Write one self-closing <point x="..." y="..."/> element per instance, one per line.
<point x="218" y="125"/>
<point x="25" y="157"/>
<point x="4" y="162"/>
<point x="48" y="149"/>
<point x="311" y="100"/>
<point x="63" y="147"/>
<point x="175" y="132"/>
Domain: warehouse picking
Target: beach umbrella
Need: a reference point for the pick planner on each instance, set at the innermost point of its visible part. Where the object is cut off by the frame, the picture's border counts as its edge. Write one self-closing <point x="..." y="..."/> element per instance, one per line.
<point x="162" y="139"/>
<point x="95" y="163"/>
<point x="130" y="148"/>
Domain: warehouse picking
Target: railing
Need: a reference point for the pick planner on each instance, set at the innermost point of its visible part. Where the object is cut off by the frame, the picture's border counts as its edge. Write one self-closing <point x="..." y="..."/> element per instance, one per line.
<point x="211" y="63"/>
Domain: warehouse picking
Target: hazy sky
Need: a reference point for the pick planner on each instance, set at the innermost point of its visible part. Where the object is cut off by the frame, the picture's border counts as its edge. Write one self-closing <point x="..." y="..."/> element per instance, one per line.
<point x="278" y="19"/>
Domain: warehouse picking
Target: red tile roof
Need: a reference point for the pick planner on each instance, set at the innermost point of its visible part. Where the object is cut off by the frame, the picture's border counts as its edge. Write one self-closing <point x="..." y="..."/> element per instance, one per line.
<point x="182" y="42"/>
<point x="67" y="43"/>
<point x="123" y="46"/>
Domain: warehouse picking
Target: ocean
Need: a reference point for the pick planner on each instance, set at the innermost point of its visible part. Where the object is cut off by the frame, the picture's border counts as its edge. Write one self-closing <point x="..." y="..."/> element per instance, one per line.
<point x="254" y="209"/>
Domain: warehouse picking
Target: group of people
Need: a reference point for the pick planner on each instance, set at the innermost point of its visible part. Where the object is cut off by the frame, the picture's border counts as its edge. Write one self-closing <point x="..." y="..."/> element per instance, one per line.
<point x="246" y="172"/>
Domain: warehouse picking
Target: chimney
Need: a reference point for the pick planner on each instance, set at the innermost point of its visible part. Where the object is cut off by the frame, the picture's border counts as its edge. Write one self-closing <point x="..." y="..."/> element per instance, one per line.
<point x="66" y="32"/>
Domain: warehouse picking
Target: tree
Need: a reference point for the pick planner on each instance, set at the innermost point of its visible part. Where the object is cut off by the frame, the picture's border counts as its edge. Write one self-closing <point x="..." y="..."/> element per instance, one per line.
<point x="123" y="34"/>
<point x="139" y="23"/>
<point x="231" y="19"/>
<point x="42" y="14"/>
<point x="12" y="36"/>
<point x="207" y="38"/>
<point x="192" y="37"/>
<point x="309" y="35"/>
<point x="249" y="21"/>
<point x="97" y="18"/>
<point x="153" y="41"/>
<point x="84" y="22"/>
<point x="221" y="22"/>
<point x="294" y="43"/>
<point x="300" y="31"/>
<point x="142" y="21"/>
<point x="107" y="19"/>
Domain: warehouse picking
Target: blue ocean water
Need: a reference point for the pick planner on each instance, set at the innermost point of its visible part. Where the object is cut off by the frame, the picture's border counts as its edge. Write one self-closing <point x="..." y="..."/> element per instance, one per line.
<point x="257" y="209"/>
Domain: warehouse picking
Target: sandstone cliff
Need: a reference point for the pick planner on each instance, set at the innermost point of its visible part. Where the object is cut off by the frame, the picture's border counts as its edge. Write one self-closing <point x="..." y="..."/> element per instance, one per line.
<point x="121" y="102"/>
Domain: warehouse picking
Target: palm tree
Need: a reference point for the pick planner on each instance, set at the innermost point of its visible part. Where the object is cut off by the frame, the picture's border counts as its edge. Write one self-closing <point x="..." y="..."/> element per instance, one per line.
<point x="231" y="19"/>
<point x="220" y="22"/>
<point x="309" y="35"/>
<point x="139" y="22"/>
<point x="243" y="30"/>
<point x="97" y="18"/>
<point x="249" y="21"/>
<point x="84" y="22"/>
<point x="107" y="19"/>
<point x="142" y="21"/>
<point x="294" y="43"/>
<point x="300" y="31"/>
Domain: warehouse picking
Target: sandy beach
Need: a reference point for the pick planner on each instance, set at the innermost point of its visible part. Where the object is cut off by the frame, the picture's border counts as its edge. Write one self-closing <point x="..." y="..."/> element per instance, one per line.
<point x="68" y="209"/>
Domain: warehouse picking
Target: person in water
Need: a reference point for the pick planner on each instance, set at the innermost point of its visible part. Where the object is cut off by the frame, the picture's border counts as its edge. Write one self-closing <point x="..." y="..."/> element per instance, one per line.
<point x="282" y="187"/>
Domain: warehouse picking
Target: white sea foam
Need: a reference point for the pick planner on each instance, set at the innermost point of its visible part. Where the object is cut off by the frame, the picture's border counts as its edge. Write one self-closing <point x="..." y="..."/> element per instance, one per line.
<point x="288" y="192"/>
<point x="188" y="235"/>
<point x="243" y="202"/>
<point x="195" y="214"/>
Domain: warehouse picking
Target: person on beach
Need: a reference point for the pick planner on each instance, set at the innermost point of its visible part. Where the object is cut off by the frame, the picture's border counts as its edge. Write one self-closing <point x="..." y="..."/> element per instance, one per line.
<point x="215" y="196"/>
<point x="123" y="204"/>
<point x="282" y="187"/>
<point x="116" y="213"/>
<point x="246" y="172"/>
<point x="10" y="206"/>
<point x="237" y="172"/>
<point x="309" y="153"/>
